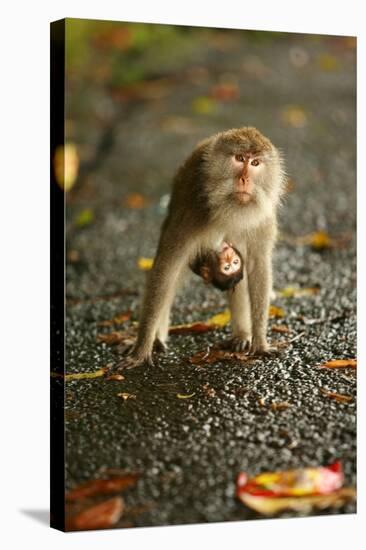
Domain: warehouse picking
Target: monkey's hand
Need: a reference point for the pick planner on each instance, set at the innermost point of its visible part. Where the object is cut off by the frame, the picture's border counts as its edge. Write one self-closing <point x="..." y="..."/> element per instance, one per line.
<point x="134" y="359"/>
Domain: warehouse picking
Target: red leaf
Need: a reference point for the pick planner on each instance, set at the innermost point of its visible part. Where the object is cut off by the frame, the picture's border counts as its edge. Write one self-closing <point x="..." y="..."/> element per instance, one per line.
<point x="101" y="516"/>
<point x="102" y="486"/>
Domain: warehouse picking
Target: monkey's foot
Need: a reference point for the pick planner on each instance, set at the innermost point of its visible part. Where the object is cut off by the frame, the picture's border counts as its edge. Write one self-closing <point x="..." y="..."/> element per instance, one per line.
<point x="238" y="344"/>
<point x="132" y="361"/>
<point x="160" y="346"/>
<point x="262" y="348"/>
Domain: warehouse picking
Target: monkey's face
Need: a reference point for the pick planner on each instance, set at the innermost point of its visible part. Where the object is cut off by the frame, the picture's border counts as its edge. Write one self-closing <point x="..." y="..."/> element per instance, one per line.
<point x="229" y="261"/>
<point x="245" y="172"/>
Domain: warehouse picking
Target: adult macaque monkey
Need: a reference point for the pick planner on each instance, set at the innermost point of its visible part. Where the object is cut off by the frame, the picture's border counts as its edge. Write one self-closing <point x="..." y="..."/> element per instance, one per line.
<point x="228" y="189"/>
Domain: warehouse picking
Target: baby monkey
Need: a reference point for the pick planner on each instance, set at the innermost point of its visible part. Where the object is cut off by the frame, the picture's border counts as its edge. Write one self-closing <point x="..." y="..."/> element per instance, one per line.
<point x="223" y="268"/>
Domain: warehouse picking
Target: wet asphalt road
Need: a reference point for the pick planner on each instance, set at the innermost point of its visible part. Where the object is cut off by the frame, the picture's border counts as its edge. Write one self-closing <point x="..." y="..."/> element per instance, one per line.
<point x="189" y="451"/>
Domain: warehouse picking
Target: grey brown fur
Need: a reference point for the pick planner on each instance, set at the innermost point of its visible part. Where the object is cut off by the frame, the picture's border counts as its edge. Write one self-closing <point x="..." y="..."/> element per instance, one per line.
<point x="203" y="211"/>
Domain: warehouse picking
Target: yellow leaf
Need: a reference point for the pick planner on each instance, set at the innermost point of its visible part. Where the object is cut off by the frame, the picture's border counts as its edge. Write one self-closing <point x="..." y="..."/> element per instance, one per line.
<point x="80" y="375"/>
<point x="203" y="105"/>
<point x="85" y="217"/>
<point x="320" y="240"/>
<point x="220" y="320"/>
<point x="145" y="263"/>
<point x="294" y="116"/>
<point x="270" y="506"/>
<point x="328" y="62"/>
<point x="294" y="292"/>
<point x="66" y="165"/>
<point x="277" y="312"/>
<point x="182" y="396"/>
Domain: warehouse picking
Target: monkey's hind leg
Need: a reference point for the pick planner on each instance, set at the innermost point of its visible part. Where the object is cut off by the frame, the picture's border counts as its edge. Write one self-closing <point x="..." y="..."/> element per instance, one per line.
<point x="239" y="303"/>
<point x="160" y="344"/>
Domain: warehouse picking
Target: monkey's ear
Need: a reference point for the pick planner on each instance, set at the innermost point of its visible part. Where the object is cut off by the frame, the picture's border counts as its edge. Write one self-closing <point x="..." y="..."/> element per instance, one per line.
<point x="205" y="274"/>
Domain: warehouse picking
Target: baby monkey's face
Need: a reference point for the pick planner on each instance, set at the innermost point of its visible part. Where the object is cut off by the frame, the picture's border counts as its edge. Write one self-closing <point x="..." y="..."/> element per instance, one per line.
<point x="229" y="261"/>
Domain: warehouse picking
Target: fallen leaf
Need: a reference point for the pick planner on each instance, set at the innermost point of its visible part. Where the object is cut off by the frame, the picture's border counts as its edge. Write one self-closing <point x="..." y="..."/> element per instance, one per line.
<point x="119" y="37"/>
<point x="85" y="217"/>
<point x="262" y="401"/>
<point x="73" y="256"/>
<point x="300" y="489"/>
<point x="319" y="240"/>
<point x="225" y="92"/>
<point x="112" y="338"/>
<point x="280" y="406"/>
<point x="115" y="377"/>
<point x="135" y="200"/>
<point x="328" y="62"/>
<point x="80" y="375"/>
<point x="145" y="263"/>
<point x="340" y="364"/>
<point x="125" y="396"/>
<point x="277" y="312"/>
<point x="290" y="185"/>
<point x="66" y="165"/>
<point x="203" y="105"/>
<point x="102" y="486"/>
<point x="100" y="516"/>
<point x="337" y="396"/>
<point x="117" y="320"/>
<point x="294" y="116"/>
<point x="295" y="292"/>
<point x="208" y="391"/>
<point x="220" y="319"/>
<point x="214" y="355"/>
<point x="282" y="329"/>
<point x="183" y="396"/>
<point x="272" y="506"/>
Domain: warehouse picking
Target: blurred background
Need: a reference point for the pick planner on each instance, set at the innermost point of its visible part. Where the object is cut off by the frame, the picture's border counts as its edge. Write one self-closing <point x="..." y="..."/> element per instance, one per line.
<point x="138" y="99"/>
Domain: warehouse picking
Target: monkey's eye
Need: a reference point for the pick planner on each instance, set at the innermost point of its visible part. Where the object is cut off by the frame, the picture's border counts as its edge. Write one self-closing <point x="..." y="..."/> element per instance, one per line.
<point x="239" y="158"/>
<point x="226" y="267"/>
<point x="236" y="261"/>
<point x="255" y="162"/>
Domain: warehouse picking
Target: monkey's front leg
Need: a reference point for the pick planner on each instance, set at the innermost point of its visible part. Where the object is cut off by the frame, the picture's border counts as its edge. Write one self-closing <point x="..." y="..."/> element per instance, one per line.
<point x="159" y="294"/>
<point x="239" y="304"/>
<point x="260" y="286"/>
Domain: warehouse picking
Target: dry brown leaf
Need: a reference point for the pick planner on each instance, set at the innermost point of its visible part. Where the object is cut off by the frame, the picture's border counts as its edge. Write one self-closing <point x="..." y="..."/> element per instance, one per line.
<point x="281" y="329"/>
<point x="117" y="320"/>
<point x="115" y="377"/>
<point x="135" y="200"/>
<point x="102" y="486"/>
<point x="340" y="364"/>
<point x="211" y="356"/>
<point x="208" y="391"/>
<point x="100" y="516"/>
<point x="337" y="396"/>
<point x="225" y="92"/>
<point x="280" y="406"/>
<point x="115" y="337"/>
<point x="125" y="396"/>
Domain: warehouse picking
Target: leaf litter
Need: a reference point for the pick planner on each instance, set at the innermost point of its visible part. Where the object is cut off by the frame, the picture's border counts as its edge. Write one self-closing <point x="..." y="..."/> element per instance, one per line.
<point x="301" y="489"/>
